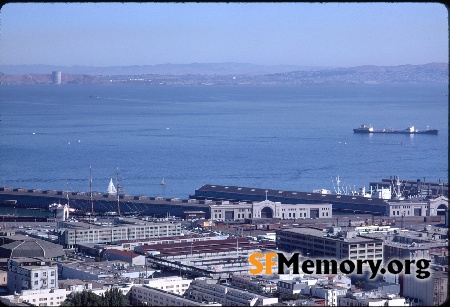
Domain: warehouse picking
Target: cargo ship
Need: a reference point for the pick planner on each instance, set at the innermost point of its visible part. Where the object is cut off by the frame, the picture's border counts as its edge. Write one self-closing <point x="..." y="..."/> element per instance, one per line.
<point x="409" y="130"/>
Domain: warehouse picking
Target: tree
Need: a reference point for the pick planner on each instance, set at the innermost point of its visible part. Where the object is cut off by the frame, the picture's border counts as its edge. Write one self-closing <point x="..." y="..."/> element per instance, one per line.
<point x="360" y="284"/>
<point x="83" y="298"/>
<point x="114" y="297"/>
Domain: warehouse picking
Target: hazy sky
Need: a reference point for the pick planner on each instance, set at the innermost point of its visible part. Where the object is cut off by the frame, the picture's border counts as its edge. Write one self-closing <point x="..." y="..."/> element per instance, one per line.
<point x="308" y="34"/>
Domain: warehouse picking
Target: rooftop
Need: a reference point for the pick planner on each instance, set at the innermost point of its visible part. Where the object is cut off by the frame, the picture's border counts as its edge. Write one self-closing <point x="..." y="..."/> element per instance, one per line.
<point x="319" y="233"/>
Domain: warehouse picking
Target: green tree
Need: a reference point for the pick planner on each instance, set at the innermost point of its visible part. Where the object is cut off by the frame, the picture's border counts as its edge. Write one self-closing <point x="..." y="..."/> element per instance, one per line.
<point x="84" y="298"/>
<point x="66" y="303"/>
<point x="113" y="297"/>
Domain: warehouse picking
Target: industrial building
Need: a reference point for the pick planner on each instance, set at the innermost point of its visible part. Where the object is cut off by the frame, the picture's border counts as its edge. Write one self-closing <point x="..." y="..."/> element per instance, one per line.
<point x="24" y="246"/>
<point x="216" y="259"/>
<point x="232" y="202"/>
<point x="81" y="232"/>
<point x="354" y="203"/>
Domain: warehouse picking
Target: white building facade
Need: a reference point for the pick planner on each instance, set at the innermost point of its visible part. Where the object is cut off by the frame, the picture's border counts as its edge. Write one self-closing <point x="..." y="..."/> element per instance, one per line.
<point x="31" y="274"/>
<point x="269" y="209"/>
<point x="44" y="297"/>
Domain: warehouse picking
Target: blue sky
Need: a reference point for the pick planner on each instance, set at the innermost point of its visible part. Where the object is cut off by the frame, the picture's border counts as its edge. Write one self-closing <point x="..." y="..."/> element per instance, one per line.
<point x="307" y="34"/>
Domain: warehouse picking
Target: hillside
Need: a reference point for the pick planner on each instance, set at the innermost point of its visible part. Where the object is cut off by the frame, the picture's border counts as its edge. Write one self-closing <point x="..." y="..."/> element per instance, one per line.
<point x="238" y="74"/>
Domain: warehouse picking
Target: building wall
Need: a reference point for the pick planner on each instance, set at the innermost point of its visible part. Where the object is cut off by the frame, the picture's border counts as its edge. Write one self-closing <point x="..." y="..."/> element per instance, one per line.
<point x="202" y="291"/>
<point x="143" y="295"/>
<point x="433" y="204"/>
<point x="175" y="285"/>
<point x="329" y="294"/>
<point x="227" y="211"/>
<point x="126" y="232"/>
<point x="291" y="287"/>
<point x="127" y="257"/>
<point x="351" y="301"/>
<point x="3" y="278"/>
<point x="31" y="277"/>
<point x="46" y="297"/>
<point x="431" y="291"/>
<point x="328" y="247"/>
<point x="397" y="210"/>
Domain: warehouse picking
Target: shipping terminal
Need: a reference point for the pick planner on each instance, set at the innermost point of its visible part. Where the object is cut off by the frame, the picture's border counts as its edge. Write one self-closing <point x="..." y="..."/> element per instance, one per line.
<point x="388" y="197"/>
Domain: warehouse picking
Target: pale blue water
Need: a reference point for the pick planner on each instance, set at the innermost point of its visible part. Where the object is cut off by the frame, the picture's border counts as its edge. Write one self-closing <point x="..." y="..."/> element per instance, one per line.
<point x="287" y="138"/>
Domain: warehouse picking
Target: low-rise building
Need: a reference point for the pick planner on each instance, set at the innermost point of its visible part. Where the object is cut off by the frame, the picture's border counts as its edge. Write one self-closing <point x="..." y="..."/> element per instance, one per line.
<point x="31" y="274"/>
<point x="329" y="293"/>
<point x="289" y="287"/>
<point x="202" y="291"/>
<point x="226" y="210"/>
<point x="172" y="284"/>
<point x="127" y="256"/>
<point x="118" y="270"/>
<point x="254" y="283"/>
<point x="25" y="246"/>
<point x="41" y="297"/>
<point x="144" y="295"/>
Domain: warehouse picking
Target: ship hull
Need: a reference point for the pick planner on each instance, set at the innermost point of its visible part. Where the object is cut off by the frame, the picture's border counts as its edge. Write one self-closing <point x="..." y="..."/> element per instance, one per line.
<point x="365" y="131"/>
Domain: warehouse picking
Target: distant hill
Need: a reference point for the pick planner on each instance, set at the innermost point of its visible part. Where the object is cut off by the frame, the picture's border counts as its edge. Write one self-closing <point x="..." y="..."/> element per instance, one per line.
<point x="227" y="74"/>
<point x="170" y="69"/>
<point x="368" y="74"/>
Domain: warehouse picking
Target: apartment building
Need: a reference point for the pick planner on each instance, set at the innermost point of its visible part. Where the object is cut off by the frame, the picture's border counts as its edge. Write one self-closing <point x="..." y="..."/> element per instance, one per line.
<point x="42" y="297"/>
<point x="31" y="274"/>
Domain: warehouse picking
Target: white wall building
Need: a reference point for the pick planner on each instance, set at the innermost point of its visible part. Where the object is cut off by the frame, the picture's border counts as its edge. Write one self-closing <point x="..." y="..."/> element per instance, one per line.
<point x="44" y="297"/>
<point x="330" y="294"/>
<point x="269" y="209"/>
<point x="31" y="274"/>
<point x="173" y="284"/>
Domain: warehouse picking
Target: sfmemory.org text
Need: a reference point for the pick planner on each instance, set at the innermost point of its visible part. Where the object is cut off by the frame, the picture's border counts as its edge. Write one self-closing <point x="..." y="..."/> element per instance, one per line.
<point x="263" y="264"/>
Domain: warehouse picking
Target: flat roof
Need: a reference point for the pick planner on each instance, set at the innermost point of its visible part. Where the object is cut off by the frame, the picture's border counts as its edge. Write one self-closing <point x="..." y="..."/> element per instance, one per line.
<point x="319" y="233"/>
<point x="240" y="193"/>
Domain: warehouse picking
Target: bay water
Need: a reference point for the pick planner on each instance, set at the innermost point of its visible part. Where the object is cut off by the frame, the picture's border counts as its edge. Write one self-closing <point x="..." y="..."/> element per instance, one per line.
<point x="276" y="137"/>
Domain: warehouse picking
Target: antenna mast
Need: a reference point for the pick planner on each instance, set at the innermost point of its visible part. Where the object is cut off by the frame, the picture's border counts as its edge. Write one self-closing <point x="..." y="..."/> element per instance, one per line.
<point x="117" y="190"/>
<point x="67" y="193"/>
<point x="90" y="190"/>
